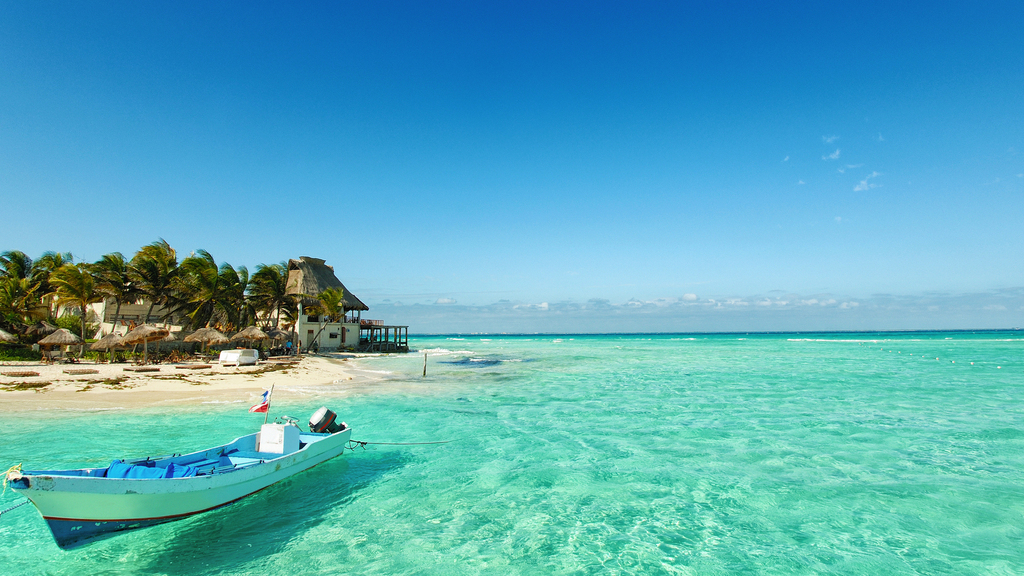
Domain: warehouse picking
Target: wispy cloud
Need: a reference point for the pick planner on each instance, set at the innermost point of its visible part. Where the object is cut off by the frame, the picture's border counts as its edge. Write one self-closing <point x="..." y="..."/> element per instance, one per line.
<point x="845" y="168"/>
<point x="832" y="156"/>
<point x="801" y="182"/>
<point x="880" y="139"/>
<point x="865" y="185"/>
<point x="786" y="159"/>
<point x="829" y="139"/>
<point x="775" y="311"/>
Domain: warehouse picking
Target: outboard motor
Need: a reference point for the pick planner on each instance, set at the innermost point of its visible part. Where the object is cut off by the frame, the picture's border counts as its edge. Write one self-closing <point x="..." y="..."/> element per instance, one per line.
<point x="323" y="420"/>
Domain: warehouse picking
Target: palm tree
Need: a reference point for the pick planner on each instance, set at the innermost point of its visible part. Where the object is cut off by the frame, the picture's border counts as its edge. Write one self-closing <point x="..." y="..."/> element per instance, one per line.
<point x="20" y="301"/>
<point x="208" y="291"/>
<point x="267" y="291"/>
<point x="330" y="308"/>
<point x="16" y="264"/>
<point x="153" y="270"/>
<point x="114" y="281"/>
<point x="42" y="268"/>
<point x="75" y="285"/>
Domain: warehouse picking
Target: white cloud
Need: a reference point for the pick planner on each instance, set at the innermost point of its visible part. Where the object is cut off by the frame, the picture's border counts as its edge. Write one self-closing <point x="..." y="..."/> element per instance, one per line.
<point x="865" y="185"/>
<point x="689" y="297"/>
<point x="446" y="301"/>
<point x="832" y="156"/>
<point x="829" y="139"/>
<point x="848" y="305"/>
<point x="786" y="159"/>
<point x="839" y="218"/>
<point x="880" y="139"/>
<point x="800" y="182"/>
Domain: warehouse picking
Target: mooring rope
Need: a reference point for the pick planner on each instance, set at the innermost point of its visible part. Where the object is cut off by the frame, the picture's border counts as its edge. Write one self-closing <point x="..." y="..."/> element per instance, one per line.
<point x="12" y="469"/>
<point x="18" y="505"/>
<point x="364" y="444"/>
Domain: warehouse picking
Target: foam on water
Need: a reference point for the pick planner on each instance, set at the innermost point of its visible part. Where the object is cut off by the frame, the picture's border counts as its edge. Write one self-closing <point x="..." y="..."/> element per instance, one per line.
<point x="602" y="455"/>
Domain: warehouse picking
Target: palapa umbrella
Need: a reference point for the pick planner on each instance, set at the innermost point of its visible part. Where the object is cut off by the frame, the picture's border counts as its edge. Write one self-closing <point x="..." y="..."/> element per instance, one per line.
<point x="60" y="337"/>
<point x="208" y="336"/>
<point x="108" y="342"/>
<point x="251" y="333"/>
<point x="40" y="328"/>
<point x="144" y="335"/>
<point x="278" y="334"/>
<point x="7" y="337"/>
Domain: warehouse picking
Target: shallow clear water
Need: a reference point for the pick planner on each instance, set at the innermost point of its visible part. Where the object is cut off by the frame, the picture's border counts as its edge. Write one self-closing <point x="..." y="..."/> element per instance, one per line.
<point x="725" y="454"/>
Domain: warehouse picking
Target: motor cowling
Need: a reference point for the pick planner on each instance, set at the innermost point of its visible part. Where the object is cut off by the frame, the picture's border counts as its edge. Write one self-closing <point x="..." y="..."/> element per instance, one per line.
<point x="324" y="420"/>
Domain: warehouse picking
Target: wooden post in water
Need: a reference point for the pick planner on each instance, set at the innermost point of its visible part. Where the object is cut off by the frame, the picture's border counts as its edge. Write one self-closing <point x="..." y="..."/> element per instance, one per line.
<point x="424" y="364"/>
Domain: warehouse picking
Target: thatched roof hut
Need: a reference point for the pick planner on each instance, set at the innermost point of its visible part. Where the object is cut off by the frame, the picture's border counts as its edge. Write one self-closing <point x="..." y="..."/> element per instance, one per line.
<point x="211" y="336"/>
<point x="308" y="277"/>
<point x="61" y="337"/>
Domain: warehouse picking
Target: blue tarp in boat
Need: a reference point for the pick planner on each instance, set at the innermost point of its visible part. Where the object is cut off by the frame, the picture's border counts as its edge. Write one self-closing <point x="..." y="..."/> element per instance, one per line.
<point x="118" y="469"/>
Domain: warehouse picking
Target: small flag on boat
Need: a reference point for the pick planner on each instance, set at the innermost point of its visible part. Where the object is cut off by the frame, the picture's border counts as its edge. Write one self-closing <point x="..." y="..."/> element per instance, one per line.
<point x="264" y="404"/>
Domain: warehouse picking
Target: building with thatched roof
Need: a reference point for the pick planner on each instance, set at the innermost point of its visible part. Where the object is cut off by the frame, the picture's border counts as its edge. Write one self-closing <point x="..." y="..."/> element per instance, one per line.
<point x="308" y="278"/>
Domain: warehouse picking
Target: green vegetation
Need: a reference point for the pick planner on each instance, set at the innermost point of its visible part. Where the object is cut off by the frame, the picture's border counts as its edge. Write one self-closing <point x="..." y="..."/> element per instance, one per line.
<point x="197" y="289"/>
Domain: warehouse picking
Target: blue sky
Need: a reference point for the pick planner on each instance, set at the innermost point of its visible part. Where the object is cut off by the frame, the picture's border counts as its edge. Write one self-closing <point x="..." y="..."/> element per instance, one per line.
<point x="527" y="166"/>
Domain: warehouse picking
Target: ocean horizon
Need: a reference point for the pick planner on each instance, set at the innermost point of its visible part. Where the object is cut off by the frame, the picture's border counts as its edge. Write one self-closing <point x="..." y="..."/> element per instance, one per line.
<point x="682" y="453"/>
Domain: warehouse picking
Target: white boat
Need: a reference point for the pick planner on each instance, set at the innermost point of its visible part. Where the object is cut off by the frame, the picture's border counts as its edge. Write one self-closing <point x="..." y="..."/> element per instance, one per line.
<point x="239" y="357"/>
<point x="90" y="503"/>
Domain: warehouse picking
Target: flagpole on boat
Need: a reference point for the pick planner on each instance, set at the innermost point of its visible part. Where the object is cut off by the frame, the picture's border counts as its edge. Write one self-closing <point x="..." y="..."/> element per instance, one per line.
<point x="269" y="396"/>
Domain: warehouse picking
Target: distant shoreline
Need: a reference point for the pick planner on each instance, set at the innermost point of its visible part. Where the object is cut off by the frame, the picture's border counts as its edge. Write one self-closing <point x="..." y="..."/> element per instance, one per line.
<point x="730" y="333"/>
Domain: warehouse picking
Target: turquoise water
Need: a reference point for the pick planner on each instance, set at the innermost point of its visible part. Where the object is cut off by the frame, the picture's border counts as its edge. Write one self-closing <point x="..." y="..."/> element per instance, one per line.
<point x="725" y="454"/>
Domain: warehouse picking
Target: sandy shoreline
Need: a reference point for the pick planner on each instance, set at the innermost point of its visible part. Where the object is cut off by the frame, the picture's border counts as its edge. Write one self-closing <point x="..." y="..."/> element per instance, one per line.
<point x="65" y="386"/>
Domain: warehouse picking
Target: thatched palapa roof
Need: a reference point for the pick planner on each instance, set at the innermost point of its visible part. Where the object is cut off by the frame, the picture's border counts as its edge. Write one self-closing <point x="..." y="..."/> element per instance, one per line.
<point x="60" y="337"/>
<point x="211" y="336"/>
<point x="112" y="340"/>
<point x="250" y="333"/>
<point x="277" y="334"/>
<point x="310" y="276"/>
<point x="145" y="334"/>
<point x="40" y="328"/>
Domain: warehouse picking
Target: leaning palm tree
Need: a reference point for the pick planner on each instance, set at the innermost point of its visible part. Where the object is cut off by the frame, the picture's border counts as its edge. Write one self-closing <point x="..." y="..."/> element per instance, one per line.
<point x="15" y="264"/>
<point x="20" y="301"/>
<point x="330" y="308"/>
<point x="114" y="281"/>
<point x="42" y="268"/>
<point x="267" y="291"/>
<point x="74" y="285"/>
<point x="208" y="292"/>
<point x="153" y="270"/>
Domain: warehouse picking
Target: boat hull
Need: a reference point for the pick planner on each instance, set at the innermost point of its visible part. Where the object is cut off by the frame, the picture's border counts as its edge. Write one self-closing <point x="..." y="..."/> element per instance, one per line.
<point x="79" y="509"/>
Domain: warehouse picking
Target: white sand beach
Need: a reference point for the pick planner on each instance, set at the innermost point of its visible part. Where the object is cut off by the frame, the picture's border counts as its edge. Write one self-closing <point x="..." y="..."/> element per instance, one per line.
<point x="94" y="386"/>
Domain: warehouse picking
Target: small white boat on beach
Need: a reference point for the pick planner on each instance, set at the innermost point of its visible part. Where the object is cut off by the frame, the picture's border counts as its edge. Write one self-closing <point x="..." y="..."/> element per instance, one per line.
<point x="239" y="357"/>
<point x="90" y="503"/>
